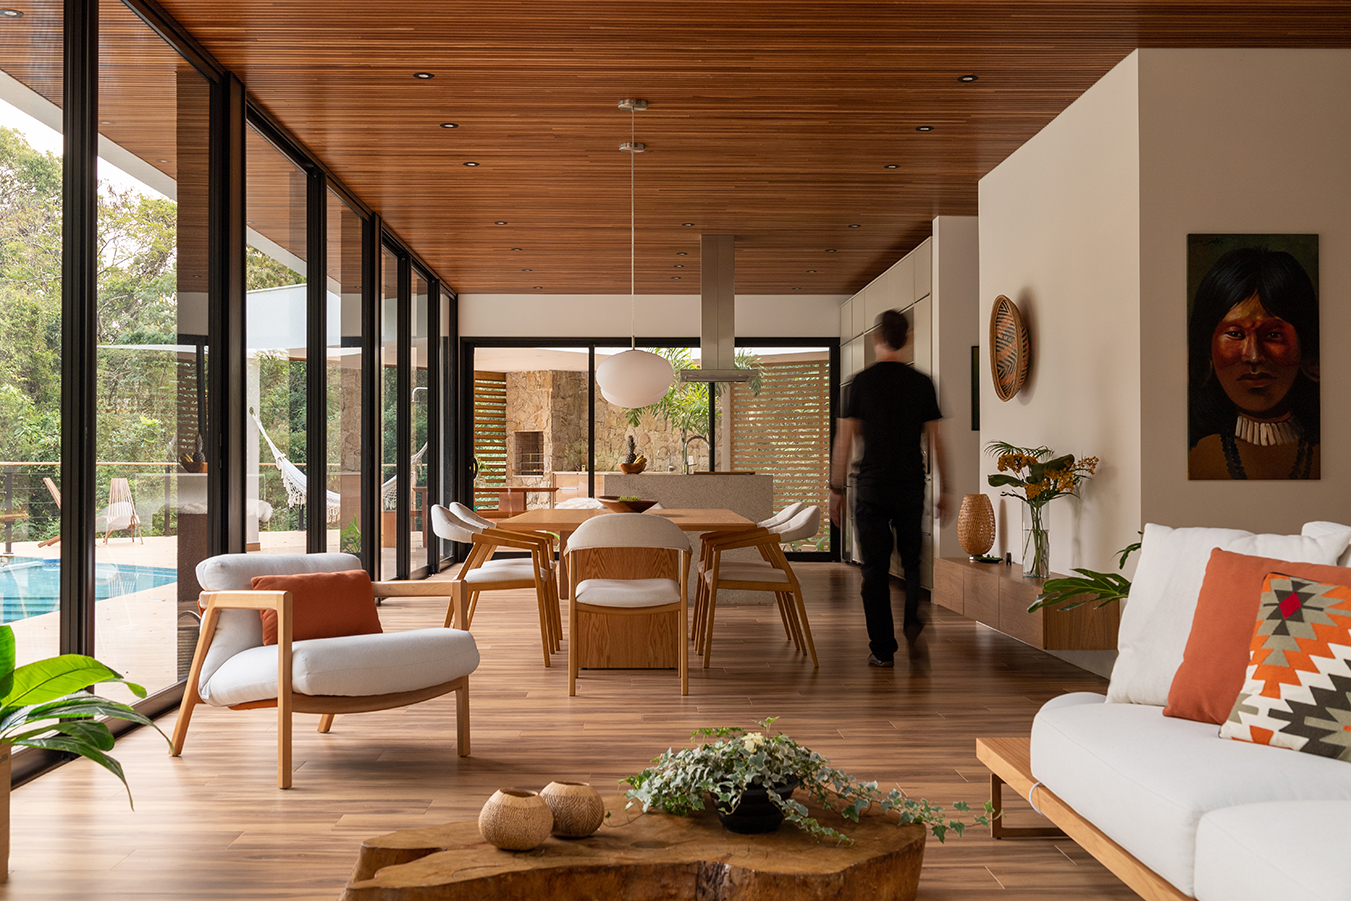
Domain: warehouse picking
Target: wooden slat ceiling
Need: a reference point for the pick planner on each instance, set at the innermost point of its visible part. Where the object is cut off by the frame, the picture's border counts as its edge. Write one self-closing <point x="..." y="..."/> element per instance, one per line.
<point x="769" y="120"/>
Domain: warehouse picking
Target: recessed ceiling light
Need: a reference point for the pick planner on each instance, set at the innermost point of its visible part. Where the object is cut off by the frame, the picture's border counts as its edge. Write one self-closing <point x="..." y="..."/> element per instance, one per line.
<point x="679" y="266"/>
<point x="924" y="128"/>
<point x="681" y="253"/>
<point x="471" y="164"/>
<point x="830" y="251"/>
<point x="515" y="248"/>
<point x="11" y="13"/>
<point x="811" y="270"/>
<point x="853" y="226"/>
<point x="164" y="161"/>
<point x="423" y="75"/>
<point x="891" y="166"/>
<point x="797" y="289"/>
<point x="688" y="224"/>
<point x="500" y="222"/>
<point x="449" y="125"/>
<point x="539" y="287"/>
<point x="967" y="79"/>
<point x="105" y="122"/>
<point x="675" y="278"/>
<point x="527" y="270"/>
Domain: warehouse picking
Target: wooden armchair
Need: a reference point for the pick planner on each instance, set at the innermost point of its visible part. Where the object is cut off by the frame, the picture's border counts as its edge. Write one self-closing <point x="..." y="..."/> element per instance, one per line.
<point x="350" y="674"/>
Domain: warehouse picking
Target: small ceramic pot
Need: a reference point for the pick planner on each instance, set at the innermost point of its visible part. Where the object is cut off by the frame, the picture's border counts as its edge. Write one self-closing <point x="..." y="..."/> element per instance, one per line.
<point x="515" y="820"/>
<point x="577" y="808"/>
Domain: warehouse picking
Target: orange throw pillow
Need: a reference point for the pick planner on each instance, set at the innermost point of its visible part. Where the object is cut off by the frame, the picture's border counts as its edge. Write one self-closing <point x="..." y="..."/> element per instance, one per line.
<point x="1215" y="663"/>
<point x="325" y="605"/>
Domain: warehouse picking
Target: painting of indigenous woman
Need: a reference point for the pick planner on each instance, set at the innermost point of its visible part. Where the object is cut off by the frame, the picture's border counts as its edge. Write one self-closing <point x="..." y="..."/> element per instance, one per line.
<point x="1252" y="338"/>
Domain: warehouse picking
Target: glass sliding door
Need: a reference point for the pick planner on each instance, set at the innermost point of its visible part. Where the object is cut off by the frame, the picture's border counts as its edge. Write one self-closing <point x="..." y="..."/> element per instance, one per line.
<point x="416" y="450"/>
<point x="388" y="388"/>
<point x="151" y="362"/>
<point x="344" y="375"/>
<point x="30" y="330"/>
<point x="277" y="484"/>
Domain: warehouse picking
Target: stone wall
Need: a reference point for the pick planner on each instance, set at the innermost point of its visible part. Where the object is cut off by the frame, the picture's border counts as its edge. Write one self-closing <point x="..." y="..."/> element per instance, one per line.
<point x="555" y="403"/>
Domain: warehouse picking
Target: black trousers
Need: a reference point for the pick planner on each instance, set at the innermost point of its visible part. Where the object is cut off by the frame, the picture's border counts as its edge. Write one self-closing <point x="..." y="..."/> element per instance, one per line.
<point x="887" y="515"/>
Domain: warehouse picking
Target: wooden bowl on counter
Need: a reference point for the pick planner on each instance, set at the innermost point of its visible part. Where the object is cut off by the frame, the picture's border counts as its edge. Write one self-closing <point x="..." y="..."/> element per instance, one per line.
<point x="615" y="505"/>
<point x="632" y="469"/>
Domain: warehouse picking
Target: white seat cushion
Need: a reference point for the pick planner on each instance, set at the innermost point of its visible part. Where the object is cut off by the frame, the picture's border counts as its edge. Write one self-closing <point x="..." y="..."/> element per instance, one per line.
<point x="503" y="571"/>
<point x="1278" y="849"/>
<point x="1146" y="780"/>
<point x="628" y="592"/>
<point x="350" y="666"/>
<point x="747" y="572"/>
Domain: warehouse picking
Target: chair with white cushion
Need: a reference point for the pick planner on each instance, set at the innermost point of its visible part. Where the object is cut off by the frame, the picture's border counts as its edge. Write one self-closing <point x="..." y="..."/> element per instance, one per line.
<point x="480" y="572"/>
<point x="347" y="674"/>
<point x="782" y="516"/>
<point x="627" y="564"/>
<point x="771" y="573"/>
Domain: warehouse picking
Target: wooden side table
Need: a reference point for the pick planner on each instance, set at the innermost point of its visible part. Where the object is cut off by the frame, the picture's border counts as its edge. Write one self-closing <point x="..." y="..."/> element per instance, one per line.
<point x="997" y="595"/>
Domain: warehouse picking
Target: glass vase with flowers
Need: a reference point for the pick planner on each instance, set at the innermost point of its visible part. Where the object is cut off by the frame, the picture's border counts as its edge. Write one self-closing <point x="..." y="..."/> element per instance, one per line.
<point x="1036" y="476"/>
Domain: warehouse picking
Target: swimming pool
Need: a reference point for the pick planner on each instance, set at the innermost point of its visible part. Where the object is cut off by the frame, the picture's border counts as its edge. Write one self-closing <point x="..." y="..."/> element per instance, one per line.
<point x="30" y="586"/>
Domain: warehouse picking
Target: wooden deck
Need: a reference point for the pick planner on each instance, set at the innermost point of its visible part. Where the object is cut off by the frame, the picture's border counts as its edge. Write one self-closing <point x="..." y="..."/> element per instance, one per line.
<point x="213" y="825"/>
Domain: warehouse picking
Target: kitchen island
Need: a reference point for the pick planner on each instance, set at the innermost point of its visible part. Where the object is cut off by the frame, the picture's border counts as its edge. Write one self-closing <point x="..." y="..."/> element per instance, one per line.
<point x="750" y="495"/>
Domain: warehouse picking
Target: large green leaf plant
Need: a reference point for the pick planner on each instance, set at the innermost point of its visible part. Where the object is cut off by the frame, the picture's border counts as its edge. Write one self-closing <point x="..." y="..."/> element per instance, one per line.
<point x="44" y="705"/>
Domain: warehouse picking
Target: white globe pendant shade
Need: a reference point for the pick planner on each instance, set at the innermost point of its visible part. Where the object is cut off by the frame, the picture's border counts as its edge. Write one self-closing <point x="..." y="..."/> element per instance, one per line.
<point x="634" y="378"/>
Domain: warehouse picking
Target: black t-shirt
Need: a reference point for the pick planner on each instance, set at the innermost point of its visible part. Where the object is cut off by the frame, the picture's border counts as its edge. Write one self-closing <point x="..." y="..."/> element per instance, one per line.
<point x="892" y="403"/>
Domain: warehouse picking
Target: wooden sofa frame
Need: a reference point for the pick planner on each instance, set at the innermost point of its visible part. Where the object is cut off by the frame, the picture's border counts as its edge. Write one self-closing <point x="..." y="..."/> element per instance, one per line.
<point x="1009" y="761"/>
<point x="287" y="701"/>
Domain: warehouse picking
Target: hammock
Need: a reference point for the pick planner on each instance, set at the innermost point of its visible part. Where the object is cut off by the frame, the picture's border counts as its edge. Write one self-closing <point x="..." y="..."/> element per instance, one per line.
<point x="297" y="485"/>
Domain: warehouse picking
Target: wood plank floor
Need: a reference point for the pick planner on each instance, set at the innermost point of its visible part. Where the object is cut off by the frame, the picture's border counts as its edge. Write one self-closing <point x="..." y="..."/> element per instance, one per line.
<point x="212" y="825"/>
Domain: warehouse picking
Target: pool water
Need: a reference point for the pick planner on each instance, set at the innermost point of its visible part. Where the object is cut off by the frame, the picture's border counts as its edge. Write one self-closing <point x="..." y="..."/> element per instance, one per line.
<point x="30" y="586"/>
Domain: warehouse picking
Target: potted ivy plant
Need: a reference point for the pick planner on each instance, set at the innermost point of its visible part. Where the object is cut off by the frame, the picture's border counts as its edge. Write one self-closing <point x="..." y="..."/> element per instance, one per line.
<point x="43" y="705"/>
<point x="751" y="776"/>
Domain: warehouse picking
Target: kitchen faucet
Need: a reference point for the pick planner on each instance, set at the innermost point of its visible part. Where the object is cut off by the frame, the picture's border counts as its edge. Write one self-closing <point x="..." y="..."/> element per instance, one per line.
<point x="685" y="450"/>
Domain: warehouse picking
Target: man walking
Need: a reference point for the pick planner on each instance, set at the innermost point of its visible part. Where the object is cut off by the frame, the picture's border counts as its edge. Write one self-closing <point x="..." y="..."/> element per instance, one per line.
<point x="892" y="408"/>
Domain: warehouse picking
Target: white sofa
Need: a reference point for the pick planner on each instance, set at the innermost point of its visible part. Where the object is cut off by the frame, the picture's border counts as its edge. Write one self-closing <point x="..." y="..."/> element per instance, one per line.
<point x="1218" y="820"/>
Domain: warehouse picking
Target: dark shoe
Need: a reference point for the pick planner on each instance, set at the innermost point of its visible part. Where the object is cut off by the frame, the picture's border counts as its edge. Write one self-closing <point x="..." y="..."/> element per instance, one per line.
<point x="884" y="664"/>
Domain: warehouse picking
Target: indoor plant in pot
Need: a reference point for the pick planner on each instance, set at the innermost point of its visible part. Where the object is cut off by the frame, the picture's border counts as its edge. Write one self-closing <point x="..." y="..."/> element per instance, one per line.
<point x="751" y="776"/>
<point x="43" y="705"/>
<point x="1037" y="477"/>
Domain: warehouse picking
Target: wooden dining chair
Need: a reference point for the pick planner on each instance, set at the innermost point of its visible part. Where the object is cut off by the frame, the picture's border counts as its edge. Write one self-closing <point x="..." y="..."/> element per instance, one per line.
<point x="480" y="572"/>
<point x="771" y="573"/>
<point x="627" y="564"/>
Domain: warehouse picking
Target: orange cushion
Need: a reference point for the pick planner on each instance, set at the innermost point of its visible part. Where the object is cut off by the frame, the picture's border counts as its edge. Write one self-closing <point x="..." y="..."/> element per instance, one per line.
<point x="324" y="605"/>
<point x="1215" y="663"/>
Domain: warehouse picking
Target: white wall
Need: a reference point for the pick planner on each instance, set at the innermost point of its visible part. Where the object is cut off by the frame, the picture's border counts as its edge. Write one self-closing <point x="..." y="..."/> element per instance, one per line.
<point x="663" y="315"/>
<point x="1059" y="233"/>
<point x="956" y="327"/>
<point x="1241" y="141"/>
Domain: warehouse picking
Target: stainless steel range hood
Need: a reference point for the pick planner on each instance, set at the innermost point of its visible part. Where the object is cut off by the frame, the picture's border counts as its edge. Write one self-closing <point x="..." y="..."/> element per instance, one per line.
<point x="717" y="316"/>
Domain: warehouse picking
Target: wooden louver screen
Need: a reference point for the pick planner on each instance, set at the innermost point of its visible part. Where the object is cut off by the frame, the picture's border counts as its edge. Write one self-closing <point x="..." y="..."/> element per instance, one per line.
<point x="490" y="436"/>
<point x="785" y="432"/>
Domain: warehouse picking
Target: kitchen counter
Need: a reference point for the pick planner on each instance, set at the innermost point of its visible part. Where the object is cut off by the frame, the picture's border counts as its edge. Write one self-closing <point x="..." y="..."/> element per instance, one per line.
<point x="750" y="495"/>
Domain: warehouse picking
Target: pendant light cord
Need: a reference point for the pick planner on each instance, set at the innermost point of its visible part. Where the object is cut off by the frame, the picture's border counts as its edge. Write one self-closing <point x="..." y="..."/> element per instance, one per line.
<point x="633" y="243"/>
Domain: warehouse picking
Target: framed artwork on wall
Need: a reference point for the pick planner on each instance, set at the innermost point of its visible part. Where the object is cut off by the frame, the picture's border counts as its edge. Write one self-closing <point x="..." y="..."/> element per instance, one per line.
<point x="1253" y="400"/>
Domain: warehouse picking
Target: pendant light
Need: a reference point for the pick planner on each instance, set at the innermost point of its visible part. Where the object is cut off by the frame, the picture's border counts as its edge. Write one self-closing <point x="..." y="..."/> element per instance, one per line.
<point x="634" y="378"/>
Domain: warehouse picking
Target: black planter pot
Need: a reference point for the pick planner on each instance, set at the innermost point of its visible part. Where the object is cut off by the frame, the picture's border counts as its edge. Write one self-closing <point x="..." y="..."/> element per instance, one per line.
<point x="755" y="813"/>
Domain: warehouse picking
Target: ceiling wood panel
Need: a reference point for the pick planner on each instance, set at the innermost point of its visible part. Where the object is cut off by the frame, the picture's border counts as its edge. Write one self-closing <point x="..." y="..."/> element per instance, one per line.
<point x="769" y="120"/>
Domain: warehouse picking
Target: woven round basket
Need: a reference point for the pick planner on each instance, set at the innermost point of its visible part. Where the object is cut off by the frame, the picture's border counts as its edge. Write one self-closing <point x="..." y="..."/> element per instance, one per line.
<point x="577" y="808"/>
<point x="515" y="820"/>
<point x="975" y="524"/>
<point x="1010" y="348"/>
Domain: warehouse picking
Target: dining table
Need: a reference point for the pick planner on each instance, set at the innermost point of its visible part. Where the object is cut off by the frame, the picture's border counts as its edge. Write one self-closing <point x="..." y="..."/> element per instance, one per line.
<point x="639" y="641"/>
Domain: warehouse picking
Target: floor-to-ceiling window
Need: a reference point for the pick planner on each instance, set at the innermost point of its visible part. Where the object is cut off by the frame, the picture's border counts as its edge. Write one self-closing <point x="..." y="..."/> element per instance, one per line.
<point x="419" y="401"/>
<point x="388" y="392"/>
<point x="277" y="485"/>
<point x="344" y="384"/>
<point x="30" y="328"/>
<point x="151" y="363"/>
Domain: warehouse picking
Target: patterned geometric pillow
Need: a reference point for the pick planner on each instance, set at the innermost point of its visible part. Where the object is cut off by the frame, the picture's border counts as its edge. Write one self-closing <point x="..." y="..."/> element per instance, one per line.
<point x="1298" y="691"/>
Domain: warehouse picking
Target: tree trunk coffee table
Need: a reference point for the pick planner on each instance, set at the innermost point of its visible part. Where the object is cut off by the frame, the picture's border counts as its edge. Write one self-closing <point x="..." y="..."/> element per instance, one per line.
<point x="645" y="857"/>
